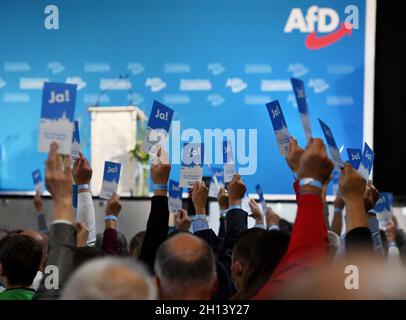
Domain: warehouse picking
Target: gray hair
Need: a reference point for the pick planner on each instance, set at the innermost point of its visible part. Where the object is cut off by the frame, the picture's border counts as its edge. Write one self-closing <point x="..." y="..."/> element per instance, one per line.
<point x="106" y="279"/>
<point x="184" y="270"/>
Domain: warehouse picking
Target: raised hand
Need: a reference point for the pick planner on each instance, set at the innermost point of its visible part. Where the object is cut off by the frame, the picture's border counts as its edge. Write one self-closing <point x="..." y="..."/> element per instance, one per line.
<point x="390" y="232"/>
<point x="82" y="232"/>
<point x="294" y="155"/>
<point x="222" y="199"/>
<point x="352" y="186"/>
<point x="160" y="168"/>
<point x="38" y="203"/>
<point x="339" y="203"/>
<point x="199" y="197"/>
<point x="272" y="218"/>
<point x="182" y="220"/>
<point x="59" y="183"/>
<point x="113" y="206"/>
<point x="82" y="171"/>
<point x="371" y="196"/>
<point x="256" y="212"/>
<point x="314" y="162"/>
<point x="236" y="190"/>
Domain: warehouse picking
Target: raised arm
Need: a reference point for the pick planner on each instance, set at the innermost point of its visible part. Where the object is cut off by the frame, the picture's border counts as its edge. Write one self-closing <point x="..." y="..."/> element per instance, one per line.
<point x="62" y="236"/>
<point x="39" y="208"/>
<point x="82" y="174"/>
<point x="309" y="236"/>
<point x="110" y="239"/>
<point x="337" y="223"/>
<point x="157" y="226"/>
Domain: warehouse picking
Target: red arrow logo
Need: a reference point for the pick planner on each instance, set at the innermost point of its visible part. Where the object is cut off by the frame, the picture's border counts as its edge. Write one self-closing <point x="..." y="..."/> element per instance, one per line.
<point x="313" y="42"/>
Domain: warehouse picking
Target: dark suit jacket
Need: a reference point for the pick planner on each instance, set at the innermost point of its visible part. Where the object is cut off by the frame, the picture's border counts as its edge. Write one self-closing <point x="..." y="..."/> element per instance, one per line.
<point x="157" y="230"/>
<point x="61" y="244"/>
<point x="236" y="221"/>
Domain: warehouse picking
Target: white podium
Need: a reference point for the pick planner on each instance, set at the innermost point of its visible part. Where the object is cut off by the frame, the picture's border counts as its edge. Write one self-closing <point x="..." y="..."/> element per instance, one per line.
<point x="112" y="135"/>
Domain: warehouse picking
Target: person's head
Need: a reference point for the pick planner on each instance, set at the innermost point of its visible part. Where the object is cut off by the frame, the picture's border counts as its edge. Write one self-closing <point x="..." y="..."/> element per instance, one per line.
<point x="20" y="258"/>
<point x="84" y="254"/>
<point x="136" y="244"/>
<point x="267" y="253"/>
<point x="110" y="278"/>
<point x="122" y="243"/>
<point x="42" y="240"/>
<point x="185" y="268"/>
<point x="242" y="253"/>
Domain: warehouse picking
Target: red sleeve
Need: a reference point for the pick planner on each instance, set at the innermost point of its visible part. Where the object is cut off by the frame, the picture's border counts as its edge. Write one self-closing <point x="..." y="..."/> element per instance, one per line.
<point x="110" y="241"/>
<point x="308" y="242"/>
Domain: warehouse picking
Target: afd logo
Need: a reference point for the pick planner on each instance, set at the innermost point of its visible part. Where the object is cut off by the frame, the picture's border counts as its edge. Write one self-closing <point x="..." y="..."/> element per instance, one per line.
<point x="322" y="20"/>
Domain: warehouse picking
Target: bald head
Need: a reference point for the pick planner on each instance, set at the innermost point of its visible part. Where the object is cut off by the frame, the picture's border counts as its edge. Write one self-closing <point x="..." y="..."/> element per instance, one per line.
<point x="187" y="246"/>
<point x="110" y="279"/>
<point x="185" y="267"/>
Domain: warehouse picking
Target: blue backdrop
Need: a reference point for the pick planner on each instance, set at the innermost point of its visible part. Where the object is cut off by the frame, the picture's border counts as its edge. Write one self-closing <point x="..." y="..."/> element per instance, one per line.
<point x="238" y="50"/>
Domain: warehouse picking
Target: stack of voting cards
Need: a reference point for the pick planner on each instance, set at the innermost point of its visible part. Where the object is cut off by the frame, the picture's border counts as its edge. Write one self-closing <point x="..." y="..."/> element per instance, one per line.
<point x="298" y="88"/>
<point x="367" y="162"/>
<point x="111" y="178"/>
<point x="192" y="164"/>
<point x="75" y="141"/>
<point x="38" y="183"/>
<point x="58" y="108"/>
<point x="261" y="199"/>
<point x="332" y="146"/>
<point x="159" y="123"/>
<point x="175" y="196"/>
<point x="228" y="160"/>
<point x="354" y="157"/>
<point x="279" y="126"/>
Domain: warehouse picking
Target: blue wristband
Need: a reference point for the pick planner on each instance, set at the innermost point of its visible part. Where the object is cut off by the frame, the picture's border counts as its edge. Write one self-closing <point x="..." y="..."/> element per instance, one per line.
<point x="110" y="217"/>
<point x="310" y="182"/>
<point x="161" y="187"/>
<point x="83" y="186"/>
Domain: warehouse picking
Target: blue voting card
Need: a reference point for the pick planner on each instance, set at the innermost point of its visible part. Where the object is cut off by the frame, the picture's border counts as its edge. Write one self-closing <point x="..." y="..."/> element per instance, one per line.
<point x="216" y="181"/>
<point x="111" y="178"/>
<point x="75" y="141"/>
<point x="354" y="157"/>
<point x="299" y="90"/>
<point x="192" y="164"/>
<point x="228" y="160"/>
<point x="261" y="198"/>
<point x="175" y="196"/>
<point x="367" y="161"/>
<point x="58" y="108"/>
<point x="75" y="192"/>
<point x="38" y="183"/>
<point x="279" y="126"/>
<point x="332" y="146"/>
<point x="159" y="123"/>
<point x="383" y="209"/>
